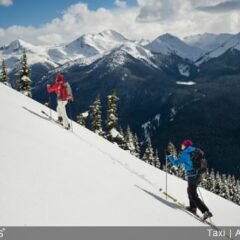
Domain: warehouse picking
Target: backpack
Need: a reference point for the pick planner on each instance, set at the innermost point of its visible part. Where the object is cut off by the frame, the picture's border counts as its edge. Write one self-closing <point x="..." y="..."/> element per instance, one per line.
<point x="68" y="89"/>
<point x="64" y="91"/>
<point x="199" y="161"/>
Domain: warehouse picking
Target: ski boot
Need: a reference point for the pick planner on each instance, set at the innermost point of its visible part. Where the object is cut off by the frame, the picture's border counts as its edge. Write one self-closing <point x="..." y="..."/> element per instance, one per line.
<point x="207" y="215"/>
<point x="192" y="210"/>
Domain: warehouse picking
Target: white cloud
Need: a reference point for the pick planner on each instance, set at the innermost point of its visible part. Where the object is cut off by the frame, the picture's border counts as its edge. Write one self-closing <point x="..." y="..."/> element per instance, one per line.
<point x="228" y="6"/>
<point x="138" y="22"/>
<point x="155" y="10"/>
<point x="6" y="3"/>
<point x="120" y="3"/>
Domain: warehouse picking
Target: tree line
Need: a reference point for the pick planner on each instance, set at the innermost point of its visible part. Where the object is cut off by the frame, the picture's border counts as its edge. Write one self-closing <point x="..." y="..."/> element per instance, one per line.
<point x="226" y="186"/>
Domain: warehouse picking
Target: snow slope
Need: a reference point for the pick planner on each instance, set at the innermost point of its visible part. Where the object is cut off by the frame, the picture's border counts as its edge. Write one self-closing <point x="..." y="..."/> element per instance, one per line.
<point x="51" y="176"/>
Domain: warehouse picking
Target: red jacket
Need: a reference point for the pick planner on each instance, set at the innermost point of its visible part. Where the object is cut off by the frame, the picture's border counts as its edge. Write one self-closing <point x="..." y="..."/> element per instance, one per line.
<point x="60" y="89"/>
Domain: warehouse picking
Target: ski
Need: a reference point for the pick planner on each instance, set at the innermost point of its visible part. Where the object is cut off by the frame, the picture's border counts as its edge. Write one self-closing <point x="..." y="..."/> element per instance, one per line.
<point x="183" y="207"/>
<point x="55" y="121"/>
<point x="196" y="216"/>
<point x="51" y="119"/>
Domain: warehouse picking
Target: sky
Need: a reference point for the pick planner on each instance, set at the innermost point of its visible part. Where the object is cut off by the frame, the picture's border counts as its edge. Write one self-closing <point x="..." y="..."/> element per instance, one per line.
<point x="60" y="21"/>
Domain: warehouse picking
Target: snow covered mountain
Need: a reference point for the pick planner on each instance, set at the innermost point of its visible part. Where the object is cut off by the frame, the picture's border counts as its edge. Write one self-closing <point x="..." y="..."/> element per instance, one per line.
<point x="168" y="44"/>
<point x="90" y="47"/>
<point x="36" y="54"/>
<point x="207" y="41"/>
<point x="232" y="44"/>
<point x="92" y="44"/>
<point x="86" y="46"/>
<point x="89" y="182"/>
<point x="114" y="58"/>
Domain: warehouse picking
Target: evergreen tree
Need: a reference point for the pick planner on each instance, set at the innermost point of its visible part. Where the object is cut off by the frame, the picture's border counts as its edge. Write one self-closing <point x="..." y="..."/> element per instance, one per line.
<point x="113" y="134"/>
<point x="211" y="181"/>
<point x="156" y="161"/>
<point x="148" y="156"/>
<point x="81" y="118"/>
<point x="24" y="83"/>
<point x="95" y="114"/>
<point x="237" y="193"/>
<point x="130" y="141"/>
<point x="204" y="181"/>
<point x="231" y="183"/>
<point x="224" y="189"/>
<point x="112" y="118"/>
<point x="217" y="186"/>
<point x="121" y="140"/>
<point x="137" y="146"/>
<point x="4" y="75"/>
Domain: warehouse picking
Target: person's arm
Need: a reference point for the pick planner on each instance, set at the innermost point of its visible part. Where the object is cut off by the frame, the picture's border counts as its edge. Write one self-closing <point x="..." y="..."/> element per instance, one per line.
<point x="54" y="88"/>
<point x="177" y="162"/>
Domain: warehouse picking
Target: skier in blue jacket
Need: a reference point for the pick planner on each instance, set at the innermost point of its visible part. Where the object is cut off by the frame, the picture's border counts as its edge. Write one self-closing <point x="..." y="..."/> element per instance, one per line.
<point x="194" y="178"/>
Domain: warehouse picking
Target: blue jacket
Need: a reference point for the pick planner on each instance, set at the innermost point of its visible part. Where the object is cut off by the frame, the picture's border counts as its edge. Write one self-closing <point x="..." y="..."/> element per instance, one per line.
<point x="185" y="160"/>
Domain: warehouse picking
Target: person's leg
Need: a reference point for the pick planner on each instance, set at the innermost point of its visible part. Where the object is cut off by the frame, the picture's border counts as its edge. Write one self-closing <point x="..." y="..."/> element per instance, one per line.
<point x="63" y="113"/>
<point x="194" y="198"/>
<point x="60" y="119"/>
<point x="190" y="191"/>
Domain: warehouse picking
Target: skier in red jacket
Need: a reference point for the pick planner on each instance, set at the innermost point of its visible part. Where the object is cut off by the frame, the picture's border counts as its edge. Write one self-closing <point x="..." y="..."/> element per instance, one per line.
<point x="64" y="94"/>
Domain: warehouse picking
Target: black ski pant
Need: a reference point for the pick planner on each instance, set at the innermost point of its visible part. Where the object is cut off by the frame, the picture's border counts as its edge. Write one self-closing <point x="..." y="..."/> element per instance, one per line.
<point x="195" y="201"/>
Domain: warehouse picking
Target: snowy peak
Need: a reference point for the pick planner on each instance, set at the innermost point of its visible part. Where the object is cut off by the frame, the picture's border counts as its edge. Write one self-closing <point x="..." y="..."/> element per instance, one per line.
<point x="135" y="50"/>
<point x="36" y="54"/>
<point x="16" y="46"/>
<point x="120" y="55"/>
<point x="232" y="43"/>
<point x="168" y="44"/>
<point x="91" y="44"/>
<point x="167" y="37"/>
<point x="208" y="41"/>
<point x="111" y="34"/>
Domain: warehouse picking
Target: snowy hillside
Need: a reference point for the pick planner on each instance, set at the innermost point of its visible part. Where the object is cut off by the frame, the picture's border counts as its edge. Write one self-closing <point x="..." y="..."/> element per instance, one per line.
<point x="51" y="176"/>
<point x="168" y="44"/>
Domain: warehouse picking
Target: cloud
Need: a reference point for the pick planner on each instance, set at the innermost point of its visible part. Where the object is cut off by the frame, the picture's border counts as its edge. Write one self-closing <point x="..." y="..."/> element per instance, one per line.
<point x="161" y="10"/>
<point x="140" y="22"/>
<point x="120" y="3"/>
<point x="227" y="6"/>
<point x="6" y="3"/>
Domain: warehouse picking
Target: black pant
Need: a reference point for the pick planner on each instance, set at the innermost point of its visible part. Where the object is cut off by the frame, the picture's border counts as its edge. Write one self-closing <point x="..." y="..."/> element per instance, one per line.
<point x="195" y="201"/>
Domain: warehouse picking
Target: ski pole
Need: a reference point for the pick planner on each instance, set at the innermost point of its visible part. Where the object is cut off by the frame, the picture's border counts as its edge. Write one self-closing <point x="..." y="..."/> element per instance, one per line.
<point x="70" y="112"/>
<point x="166" y="158"/>
<point x="49" y="105"/>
